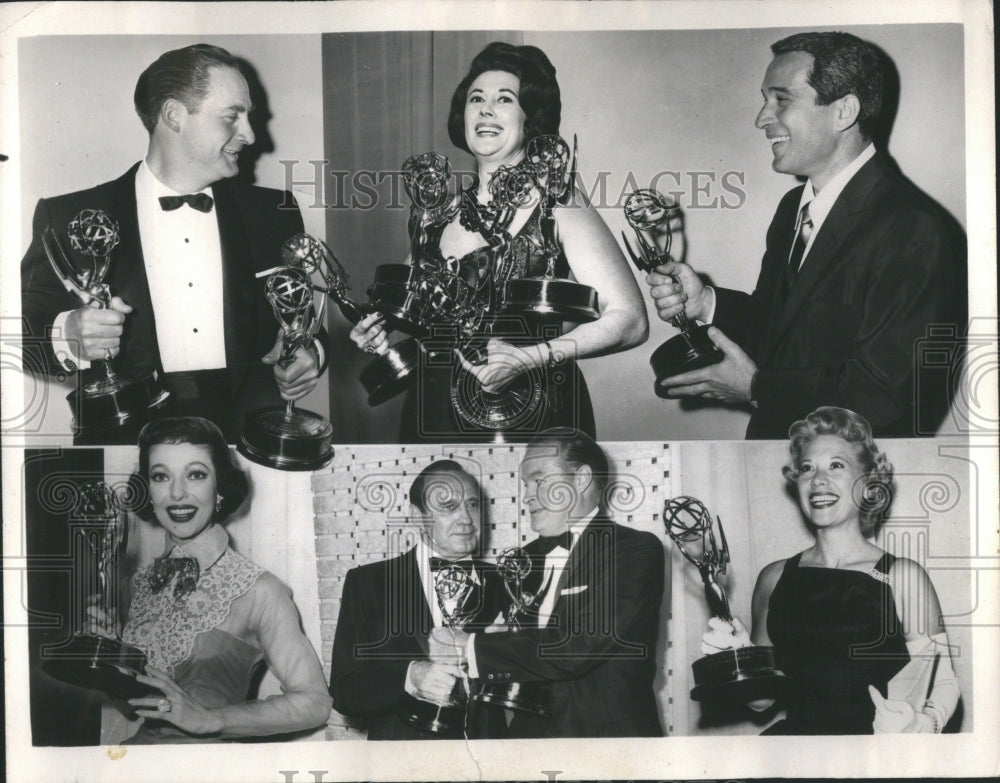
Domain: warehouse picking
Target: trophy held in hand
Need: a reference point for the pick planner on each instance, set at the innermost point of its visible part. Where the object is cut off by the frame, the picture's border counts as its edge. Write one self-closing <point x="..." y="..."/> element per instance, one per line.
<point x="514" y="566"/>
<point x="458" y="598"/>
<point x="107" y="398"/>
<point x="388" y="373"/>
<point x="94" y="660"/>
<point x="746" y="673"/>
<point x="649" y="213"/>
<point x="287" y="438"/>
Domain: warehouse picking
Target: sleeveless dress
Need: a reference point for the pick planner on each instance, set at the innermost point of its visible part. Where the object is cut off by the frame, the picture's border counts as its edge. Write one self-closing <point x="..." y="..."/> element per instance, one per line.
<point x="428" y="410"/>
<point x="180" y="635"/>
<point x="835" y="632"/>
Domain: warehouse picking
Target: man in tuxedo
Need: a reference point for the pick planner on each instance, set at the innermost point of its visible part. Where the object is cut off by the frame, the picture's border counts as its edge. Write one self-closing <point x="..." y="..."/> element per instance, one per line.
<point x="858" y="262"/>
<point x="388" y="609"/>
<point x="187" y="303"/>
<point x="591" y="641"/>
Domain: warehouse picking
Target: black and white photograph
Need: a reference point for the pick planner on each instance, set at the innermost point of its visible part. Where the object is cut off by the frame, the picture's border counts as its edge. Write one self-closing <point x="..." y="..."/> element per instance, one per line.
<point x="615" y="375"/>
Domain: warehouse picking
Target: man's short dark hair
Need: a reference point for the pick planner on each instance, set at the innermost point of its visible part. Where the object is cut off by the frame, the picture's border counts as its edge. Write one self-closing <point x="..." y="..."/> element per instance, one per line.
<point x="432" y="481"/>
<point x="843" y="64"/>
<point x="181" y="74"/>
<point x="576" y="449"/>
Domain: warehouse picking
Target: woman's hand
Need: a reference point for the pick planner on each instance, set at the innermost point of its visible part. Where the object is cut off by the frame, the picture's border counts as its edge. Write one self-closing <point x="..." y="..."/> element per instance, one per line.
<point x="503" y="364"/>
<point x="724" y="636"/>
<point x="370" y="334"/>
<point x="175" y="706"/>
<point x="101" y="621"/>
<point x="898" y="716"/>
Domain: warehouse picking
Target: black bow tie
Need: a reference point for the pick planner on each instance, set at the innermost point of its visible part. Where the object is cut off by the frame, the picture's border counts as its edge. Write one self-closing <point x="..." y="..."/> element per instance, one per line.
<point x="440" y="563"/>
<point x="200" y="201"/>
<point x="547" y="543"/>
<point x="164" y="569"/>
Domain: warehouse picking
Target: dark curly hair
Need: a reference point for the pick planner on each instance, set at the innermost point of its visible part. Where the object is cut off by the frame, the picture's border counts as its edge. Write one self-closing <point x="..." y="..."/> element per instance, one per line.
<point x="843" y="64"/>
<point x="181" y="74"/>
<point x="539" y="94"/>
<point x="231" y="482"/>
<point x="875" y="496"/>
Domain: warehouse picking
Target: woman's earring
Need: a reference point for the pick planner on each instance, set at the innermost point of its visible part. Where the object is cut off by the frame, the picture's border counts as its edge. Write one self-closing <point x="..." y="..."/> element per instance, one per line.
<point x="218" y="503"/>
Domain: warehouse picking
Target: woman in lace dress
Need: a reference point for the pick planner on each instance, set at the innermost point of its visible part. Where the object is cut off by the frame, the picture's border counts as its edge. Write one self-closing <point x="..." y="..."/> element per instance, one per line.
<point x="509" y="97"/>
<point x="857" y="631"/>
<point x="205" y="616"/>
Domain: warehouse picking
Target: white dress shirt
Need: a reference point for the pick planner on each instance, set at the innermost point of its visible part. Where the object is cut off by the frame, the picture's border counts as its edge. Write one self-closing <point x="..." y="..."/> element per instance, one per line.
<point x="182" y="255"/>
<point x="555" y="564"/>
<point x="820" y="205"/>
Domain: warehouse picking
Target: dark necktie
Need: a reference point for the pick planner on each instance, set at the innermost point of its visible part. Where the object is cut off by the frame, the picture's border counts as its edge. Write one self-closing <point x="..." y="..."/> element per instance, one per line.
<point x="547" y="543"/>
<point x="802" y="234"/>
<point x="200" y="201"/>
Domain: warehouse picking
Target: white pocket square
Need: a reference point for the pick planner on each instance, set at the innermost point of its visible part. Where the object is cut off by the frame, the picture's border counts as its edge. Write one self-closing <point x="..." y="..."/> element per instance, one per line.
<point x="573" y="590"/>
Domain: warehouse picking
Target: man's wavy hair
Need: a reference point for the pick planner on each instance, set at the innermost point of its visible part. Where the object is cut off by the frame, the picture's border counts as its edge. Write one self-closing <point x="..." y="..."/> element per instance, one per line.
<point x="181" y="74"/>
<point x="539" y="94"/>
<point x="575" y="448"/>
<point x="843" y="64"/>
<point x="874" y="494"/>
<point x="438" y="481"/>
<point x="231" y="482"/>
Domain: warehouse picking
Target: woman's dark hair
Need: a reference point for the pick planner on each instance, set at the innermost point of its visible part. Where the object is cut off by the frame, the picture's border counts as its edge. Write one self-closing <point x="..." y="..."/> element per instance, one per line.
<point x="231" y="482"/>
<point x="875" y="497"/>
<point x="538" y="96"/>
<point x="181" y="74"/>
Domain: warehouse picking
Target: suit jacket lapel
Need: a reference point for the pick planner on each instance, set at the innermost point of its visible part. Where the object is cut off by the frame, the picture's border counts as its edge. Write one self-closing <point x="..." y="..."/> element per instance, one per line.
<point x="237" y="287"/>
<point x="585" y="557"/>
<point x="128" y="276"/>
<point x="408" y="602"/>
<point x="824" y="251"/>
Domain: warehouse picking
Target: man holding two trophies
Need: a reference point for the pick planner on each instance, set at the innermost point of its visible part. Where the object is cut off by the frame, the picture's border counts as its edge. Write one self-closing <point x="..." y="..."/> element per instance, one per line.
<point x="189" y="243"/>
<point x="381" y="670"/>
<point x="597" y="611"/>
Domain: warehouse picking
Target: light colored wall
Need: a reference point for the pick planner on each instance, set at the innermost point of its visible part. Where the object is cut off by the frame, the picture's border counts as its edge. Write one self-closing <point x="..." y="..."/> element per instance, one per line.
<point x="685" y="101"/>
<point x="79" y="128"/>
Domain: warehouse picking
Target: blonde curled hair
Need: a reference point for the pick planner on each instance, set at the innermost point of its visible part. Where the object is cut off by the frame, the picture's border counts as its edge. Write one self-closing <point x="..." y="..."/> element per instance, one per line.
<point x="875" y="496"/>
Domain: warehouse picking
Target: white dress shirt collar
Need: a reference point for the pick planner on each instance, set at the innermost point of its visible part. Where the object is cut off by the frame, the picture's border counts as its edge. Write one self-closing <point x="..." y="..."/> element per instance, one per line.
<point x="822" y="202"/>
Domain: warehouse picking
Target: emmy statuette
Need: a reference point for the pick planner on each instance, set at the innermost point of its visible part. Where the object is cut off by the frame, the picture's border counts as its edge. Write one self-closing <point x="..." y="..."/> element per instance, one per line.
<point x="456" y="595"/>
<point x="745" y="672"/>
<point x="284" y="437"/>
<point x="649" y="213"/>
<point x="103" y="663"/>
<point x="514" y="565"/>
<point x="107" y="398"/>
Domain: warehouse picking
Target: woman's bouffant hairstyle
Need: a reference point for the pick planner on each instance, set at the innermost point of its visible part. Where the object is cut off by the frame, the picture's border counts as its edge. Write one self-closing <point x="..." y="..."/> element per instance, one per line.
<point x="181" y="74"/>
<point x="539" y="94"/>
<point x="231" y="482"/>
<point x="875" y="497"/>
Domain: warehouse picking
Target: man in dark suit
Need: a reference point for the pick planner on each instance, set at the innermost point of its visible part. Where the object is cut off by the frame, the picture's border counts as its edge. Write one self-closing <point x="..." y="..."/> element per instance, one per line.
<point x="187" y="302"/>
<point x="388" y="609"/>
<point x="858" y="262"/>
<point x="592" y="642"/>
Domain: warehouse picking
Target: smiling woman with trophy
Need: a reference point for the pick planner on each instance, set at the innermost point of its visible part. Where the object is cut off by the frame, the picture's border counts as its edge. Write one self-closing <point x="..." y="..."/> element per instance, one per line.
<point x="857" y="631"/>
<point x="526" y="276"/>
<point x="204" y="616"/>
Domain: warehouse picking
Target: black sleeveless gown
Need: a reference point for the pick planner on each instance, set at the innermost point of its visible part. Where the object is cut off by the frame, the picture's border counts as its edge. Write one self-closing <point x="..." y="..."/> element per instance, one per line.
<point x="835" y="632"/>
<point x="429" y="413"/>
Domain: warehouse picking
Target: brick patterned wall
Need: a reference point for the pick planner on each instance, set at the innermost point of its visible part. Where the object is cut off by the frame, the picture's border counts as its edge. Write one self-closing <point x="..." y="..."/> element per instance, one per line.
<point x="361" y="508"/>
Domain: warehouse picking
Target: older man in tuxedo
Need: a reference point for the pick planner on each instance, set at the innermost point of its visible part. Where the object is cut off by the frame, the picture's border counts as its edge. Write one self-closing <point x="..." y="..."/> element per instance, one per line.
<point x="188" y="303"/>
<point x="591" y="641"/>
<point x="858" y="262"/>
<point x="389" y="608"/>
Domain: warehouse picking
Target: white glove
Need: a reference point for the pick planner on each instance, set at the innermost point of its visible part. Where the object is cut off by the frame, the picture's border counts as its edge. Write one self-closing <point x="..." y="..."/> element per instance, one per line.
<point x="909" y="708"/>
<point x="898" y="716"/>
<point x="724" y="636"/>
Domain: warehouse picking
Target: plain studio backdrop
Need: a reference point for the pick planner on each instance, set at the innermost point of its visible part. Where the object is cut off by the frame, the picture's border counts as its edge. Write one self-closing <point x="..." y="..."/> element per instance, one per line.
<point x="672" y="108"/>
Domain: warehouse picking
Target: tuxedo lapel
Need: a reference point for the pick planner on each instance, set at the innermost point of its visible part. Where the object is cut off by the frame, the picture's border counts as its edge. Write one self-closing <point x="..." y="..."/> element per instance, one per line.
<point x="588" y="555"/>
<point x="237" y="287"/>
<point x="824" y="253"/>
<point x="128" y="276"/>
